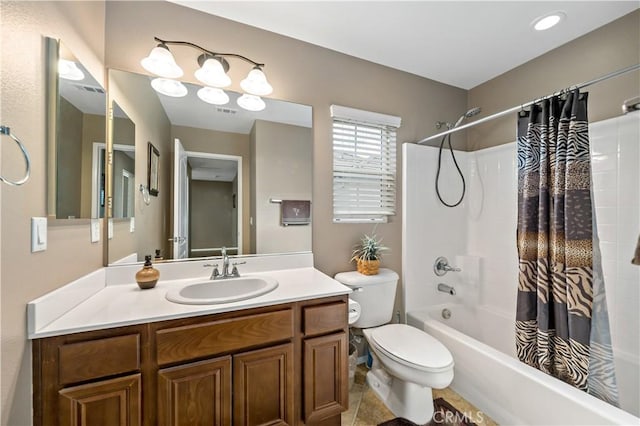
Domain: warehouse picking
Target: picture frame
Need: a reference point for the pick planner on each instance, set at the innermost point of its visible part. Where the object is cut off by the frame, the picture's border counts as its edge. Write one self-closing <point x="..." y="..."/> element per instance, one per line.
<point x="153" y="165"/>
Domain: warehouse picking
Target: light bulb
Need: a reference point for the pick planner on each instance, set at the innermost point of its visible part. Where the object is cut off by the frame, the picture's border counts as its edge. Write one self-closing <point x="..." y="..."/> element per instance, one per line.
<point x="212" y="73"/>
<point x="213" y="95"/>
<point x="169" y="87"/>
<point x="256" y="83"/>
<point x="69" y="70"/>
<point x="251" y="102"/>
<point x="547" y="21"/>
<point x="161" y="62"/>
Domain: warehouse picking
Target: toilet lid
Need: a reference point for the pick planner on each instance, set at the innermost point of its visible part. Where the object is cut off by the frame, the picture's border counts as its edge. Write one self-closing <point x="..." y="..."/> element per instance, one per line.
<point x="413" y="346"/>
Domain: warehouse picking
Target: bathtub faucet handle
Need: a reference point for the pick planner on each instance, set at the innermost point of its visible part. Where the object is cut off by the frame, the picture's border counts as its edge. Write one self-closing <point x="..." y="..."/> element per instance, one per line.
<point x="441" y="267"/>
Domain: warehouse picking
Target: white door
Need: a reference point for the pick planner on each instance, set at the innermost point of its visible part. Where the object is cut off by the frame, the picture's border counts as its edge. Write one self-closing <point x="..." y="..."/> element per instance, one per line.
<point x="180" y="203"/>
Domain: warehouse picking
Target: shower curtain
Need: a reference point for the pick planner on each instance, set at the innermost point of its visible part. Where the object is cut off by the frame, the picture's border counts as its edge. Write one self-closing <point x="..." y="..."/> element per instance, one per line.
<point x="561" y="318"/>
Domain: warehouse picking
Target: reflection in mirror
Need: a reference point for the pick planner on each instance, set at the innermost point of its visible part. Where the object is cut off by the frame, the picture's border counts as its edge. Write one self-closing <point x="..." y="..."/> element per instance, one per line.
<point x="124" y="163"/>
<point x="77" y="110"/>
<point x="220" y="168"/>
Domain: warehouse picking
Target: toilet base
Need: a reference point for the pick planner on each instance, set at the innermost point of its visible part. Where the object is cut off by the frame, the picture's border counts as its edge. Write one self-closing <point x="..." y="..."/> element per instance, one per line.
<point x="405" y="399"/>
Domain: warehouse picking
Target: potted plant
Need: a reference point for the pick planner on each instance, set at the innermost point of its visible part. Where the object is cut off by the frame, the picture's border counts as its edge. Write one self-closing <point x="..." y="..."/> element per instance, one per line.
<point x="367" y="254"/>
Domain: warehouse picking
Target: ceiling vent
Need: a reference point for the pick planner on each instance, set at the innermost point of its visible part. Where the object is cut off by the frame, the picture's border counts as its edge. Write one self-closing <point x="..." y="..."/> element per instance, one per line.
<point x="92" y="89"/>
<point x="224" y="110"/>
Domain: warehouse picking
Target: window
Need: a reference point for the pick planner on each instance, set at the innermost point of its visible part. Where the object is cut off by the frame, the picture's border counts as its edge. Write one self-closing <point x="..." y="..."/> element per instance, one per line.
<point x="364" y="165"/>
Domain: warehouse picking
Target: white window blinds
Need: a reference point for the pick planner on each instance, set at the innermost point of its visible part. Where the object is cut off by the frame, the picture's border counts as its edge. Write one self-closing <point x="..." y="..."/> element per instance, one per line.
<point x="364" y="165"/>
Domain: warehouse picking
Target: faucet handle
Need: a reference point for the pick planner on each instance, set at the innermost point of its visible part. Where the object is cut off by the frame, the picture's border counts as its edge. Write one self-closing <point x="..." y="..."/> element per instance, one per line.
<point x="215" y="273"/>
<point x="235" y="271"/>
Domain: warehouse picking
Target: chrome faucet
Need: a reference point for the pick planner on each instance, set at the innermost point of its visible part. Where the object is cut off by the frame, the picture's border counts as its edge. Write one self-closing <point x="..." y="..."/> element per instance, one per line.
<point x="216" y="275"/>
<point x="225" y="263"/>
<point x="441" y="266"/>
<point x="446" y="289"/>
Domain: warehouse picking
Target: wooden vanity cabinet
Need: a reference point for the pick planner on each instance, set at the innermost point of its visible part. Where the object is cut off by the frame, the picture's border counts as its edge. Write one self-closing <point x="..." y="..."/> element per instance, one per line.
<point x="277" y="365"/>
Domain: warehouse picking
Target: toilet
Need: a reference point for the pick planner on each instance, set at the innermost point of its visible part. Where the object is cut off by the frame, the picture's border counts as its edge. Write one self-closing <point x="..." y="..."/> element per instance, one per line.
<point x="407" y="362"/>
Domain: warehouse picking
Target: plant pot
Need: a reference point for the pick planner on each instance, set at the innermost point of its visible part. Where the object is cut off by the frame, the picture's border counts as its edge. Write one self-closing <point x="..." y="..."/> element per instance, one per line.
<point x="368" y="267"/>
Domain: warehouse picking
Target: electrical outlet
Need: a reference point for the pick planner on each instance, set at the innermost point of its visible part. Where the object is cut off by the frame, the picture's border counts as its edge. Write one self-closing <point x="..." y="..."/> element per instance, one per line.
<point x="95" y="230"/>
<point x="38" y="234"/>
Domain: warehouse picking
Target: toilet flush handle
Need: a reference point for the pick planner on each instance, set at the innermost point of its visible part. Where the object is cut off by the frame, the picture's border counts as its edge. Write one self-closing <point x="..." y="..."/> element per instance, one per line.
<point x="357" y="289"/>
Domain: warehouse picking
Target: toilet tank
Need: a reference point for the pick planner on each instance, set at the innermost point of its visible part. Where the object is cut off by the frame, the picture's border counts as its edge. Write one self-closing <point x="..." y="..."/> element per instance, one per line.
<point x="376" y="295"/>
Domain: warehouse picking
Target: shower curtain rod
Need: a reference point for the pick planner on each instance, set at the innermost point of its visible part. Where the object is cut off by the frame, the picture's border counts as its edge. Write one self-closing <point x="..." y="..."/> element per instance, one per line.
<point x="528" y="104"/>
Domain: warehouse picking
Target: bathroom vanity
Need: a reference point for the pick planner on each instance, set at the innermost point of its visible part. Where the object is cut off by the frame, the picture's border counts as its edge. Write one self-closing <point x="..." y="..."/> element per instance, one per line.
<point x="281" y="361"/>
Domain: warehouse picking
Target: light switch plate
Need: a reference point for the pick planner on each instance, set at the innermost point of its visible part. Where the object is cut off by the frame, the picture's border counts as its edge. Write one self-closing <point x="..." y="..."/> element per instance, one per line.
<point x="132" y="224"/>
<point x="38" y="234"/>
<point x="95" y="230"/>
<point x="110" y="229"/>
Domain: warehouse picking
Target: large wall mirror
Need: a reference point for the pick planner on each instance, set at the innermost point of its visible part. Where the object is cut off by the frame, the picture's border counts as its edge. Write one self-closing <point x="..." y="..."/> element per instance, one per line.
<point x="221" y="174"/>
<point x="76" y="137"/>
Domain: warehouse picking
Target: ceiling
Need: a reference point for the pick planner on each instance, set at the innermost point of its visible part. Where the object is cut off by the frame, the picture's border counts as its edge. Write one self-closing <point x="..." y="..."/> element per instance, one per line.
<point x="190" y="111"/>
<point x="461" y="43"/>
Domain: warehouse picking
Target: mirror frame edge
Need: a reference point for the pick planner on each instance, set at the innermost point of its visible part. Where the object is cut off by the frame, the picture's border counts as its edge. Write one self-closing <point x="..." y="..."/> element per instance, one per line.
<point x="52" y="55"/>
<point x="52" y="90"/>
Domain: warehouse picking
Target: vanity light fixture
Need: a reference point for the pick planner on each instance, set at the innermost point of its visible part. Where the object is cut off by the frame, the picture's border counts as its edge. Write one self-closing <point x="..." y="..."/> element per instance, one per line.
<point x="212" y="73"/>
<point x="547" y="21"/>
<point x="69" y="70"/>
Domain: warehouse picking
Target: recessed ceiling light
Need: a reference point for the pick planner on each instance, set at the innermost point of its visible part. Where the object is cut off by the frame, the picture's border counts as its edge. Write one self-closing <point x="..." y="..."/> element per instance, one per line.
<point x="549" y="20"/>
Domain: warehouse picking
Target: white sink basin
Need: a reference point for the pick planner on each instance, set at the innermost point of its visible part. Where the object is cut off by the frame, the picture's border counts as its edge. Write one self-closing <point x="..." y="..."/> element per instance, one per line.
<point x="228" y="290"/>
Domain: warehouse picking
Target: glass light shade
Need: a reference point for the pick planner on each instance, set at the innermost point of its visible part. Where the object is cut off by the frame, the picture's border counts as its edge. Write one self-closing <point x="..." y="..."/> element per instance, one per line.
<point x="213" y="95"/>
<point x="251" y="102"/>
<point x="169" y="87"/>
<point x="256" y="83"/>
<point x="547" y="21"/>
<point x="69" y="70"/>
<point x="161" y="62"/>
<point x="212" y="74"/>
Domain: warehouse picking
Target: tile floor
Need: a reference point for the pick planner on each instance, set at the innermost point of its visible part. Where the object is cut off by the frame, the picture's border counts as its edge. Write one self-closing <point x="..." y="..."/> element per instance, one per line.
<point x="365" y="409"/>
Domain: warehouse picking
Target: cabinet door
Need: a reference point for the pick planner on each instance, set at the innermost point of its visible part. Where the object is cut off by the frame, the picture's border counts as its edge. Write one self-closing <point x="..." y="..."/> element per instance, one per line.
<point x="195" y="394"/>
<point x="263" y="386"/>
<point x="325" y="379"/>
<point x="107" y="402"/>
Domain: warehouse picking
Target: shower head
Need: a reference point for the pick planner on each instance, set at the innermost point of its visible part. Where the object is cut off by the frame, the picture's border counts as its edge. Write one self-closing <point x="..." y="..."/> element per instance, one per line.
<point x="468" y="114"/>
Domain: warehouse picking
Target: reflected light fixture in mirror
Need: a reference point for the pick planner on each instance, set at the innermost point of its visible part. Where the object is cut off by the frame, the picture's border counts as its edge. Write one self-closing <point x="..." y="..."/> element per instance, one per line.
<point x="214" y="96"/>
<point x="69" y="70"/>
<point x="169" y="87"/>
<point x="212" y="72"/>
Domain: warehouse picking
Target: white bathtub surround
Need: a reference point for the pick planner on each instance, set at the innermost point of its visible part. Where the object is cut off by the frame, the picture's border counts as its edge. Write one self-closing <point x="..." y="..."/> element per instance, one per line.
<point x="111" y="298"/>
<point x="484" y="226"/>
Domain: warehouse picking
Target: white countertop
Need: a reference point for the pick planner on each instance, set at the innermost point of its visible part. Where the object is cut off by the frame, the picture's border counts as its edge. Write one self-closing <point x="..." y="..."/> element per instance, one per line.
<point x="120" y="305"/>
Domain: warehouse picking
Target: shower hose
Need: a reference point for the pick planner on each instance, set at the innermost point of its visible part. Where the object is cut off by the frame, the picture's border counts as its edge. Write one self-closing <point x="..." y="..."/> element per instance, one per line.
<point x="453" y="156"/>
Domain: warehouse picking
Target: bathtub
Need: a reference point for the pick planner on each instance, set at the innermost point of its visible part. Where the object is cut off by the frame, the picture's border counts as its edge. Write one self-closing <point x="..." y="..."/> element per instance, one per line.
<point x="488" y="375"/>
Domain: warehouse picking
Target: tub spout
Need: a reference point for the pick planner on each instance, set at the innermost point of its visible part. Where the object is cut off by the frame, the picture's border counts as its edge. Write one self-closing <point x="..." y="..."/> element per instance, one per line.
<point x="446" y="289"/>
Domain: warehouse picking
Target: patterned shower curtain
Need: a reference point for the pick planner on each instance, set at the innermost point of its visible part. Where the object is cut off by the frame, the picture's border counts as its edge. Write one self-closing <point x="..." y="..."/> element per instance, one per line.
<point x="561" y="321"/>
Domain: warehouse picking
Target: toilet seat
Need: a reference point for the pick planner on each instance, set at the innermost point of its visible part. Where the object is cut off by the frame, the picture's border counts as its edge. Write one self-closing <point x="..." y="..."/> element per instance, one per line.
<point x="412" y="347"/>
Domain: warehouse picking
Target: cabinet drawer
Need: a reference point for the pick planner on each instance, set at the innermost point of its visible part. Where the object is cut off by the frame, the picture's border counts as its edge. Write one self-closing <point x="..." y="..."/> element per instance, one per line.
<point x="324" y="318"/>
<point x="223" y="336"/>
<point x="93" y="359"/>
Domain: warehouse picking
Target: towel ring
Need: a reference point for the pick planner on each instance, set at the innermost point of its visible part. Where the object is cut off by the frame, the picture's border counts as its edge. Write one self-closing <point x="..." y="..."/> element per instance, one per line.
<point x="6" y="131"/>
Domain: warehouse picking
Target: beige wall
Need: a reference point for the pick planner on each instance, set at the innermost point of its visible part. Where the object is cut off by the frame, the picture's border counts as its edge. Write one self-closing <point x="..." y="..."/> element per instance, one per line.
<point x="93" y="131"/>
<point x="152" y="225"/>
<point x="211" y="214"/>
<point x="609" y="48"/>
<point x="23" y="275"/>
<point x="68" y="174"/>
<point x="282" y="156"/>
<point x="212" y="141"/>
